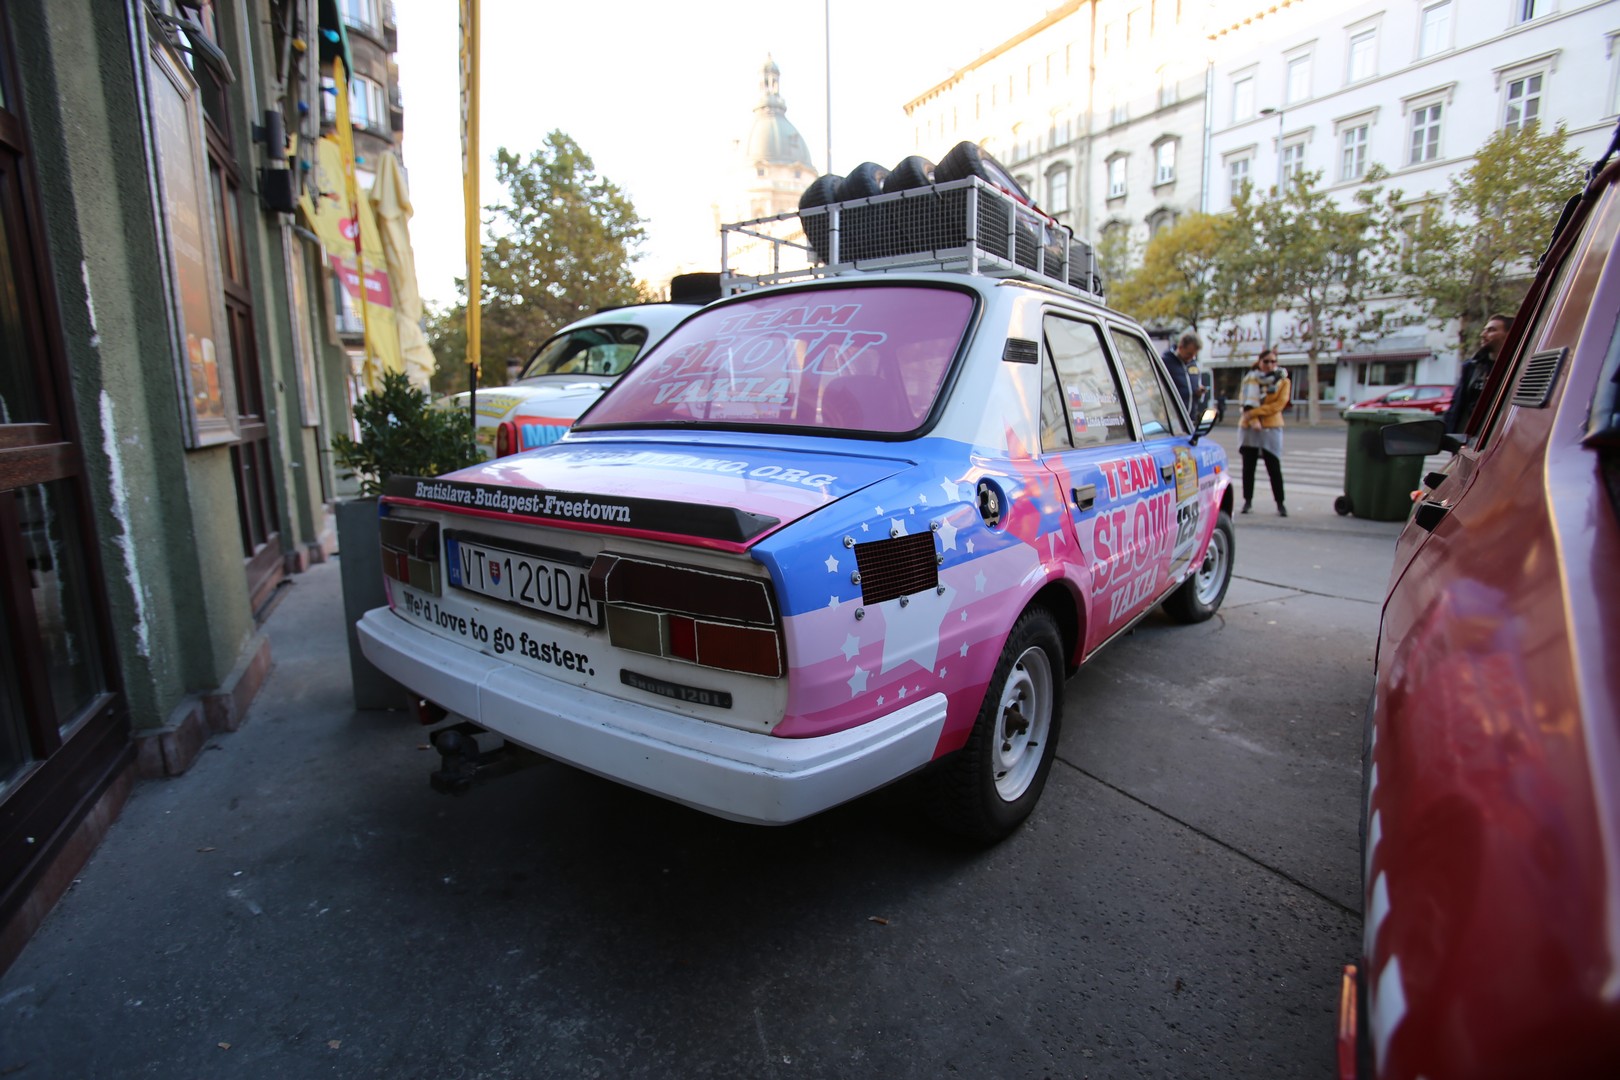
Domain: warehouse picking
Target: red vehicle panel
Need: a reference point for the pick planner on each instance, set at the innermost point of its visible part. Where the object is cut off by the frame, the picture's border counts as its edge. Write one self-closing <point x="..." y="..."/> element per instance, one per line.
<point x="1492" y="874"/>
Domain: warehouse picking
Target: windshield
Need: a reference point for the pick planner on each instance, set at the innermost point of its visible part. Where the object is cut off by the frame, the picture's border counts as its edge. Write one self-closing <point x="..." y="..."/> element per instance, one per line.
<point x="589" y="350"/>
<point x="870" y="360"/>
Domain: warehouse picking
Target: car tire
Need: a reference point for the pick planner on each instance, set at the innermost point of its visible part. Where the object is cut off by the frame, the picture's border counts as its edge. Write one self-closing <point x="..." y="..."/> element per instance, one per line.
<point x="822" y="190"/>
<point x="917" y="220"/>
<point x="1201" y="594"/>
<point x="865" y="231"/>
<point x="988" y="788"/>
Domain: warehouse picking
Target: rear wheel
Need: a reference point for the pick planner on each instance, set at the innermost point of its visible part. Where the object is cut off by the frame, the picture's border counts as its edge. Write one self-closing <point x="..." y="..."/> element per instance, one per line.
<point x="1201" y="594"/>
<point x="985" y="790"/>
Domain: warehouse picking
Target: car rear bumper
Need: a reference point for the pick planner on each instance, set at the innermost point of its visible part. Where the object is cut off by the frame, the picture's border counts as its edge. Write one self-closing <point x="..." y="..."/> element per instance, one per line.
<point x="741" y="775"/>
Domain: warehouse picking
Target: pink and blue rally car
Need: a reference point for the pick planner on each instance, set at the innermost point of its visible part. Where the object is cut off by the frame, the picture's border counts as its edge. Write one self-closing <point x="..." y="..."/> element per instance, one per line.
<point x="847" y="524"/>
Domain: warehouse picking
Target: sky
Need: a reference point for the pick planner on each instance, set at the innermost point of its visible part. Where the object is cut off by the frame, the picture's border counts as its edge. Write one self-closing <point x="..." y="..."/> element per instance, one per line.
<point x="657" y="94"/>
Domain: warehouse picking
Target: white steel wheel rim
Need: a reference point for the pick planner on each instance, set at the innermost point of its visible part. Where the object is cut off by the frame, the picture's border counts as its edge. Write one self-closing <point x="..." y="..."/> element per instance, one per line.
<point x="1213" y="569"/>
<point x="1023" y="723"/>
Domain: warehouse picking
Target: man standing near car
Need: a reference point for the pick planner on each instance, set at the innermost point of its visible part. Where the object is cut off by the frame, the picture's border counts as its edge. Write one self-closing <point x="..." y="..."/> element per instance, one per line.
<point x="1471" y="382"/>
<point x="1181" y="362"/>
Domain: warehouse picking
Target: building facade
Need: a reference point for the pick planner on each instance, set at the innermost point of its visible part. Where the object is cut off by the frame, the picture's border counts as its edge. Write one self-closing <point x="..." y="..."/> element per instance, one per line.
<point x="1097" y="110"/>
<point x="171" y="378"/>
<point x="1416" y="86"/>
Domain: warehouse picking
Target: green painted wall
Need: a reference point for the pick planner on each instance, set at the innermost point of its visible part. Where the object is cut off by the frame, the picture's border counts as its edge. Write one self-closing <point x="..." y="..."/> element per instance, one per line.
<point x="170" y="541"/>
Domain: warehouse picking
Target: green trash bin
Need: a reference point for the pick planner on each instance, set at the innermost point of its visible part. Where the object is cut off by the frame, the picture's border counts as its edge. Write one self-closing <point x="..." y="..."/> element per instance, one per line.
<point x="1376" y="486"/>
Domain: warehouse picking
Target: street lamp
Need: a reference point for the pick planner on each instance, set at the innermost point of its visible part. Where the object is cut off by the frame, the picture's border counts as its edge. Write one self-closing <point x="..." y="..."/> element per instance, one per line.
<point x="1268" y="111"/>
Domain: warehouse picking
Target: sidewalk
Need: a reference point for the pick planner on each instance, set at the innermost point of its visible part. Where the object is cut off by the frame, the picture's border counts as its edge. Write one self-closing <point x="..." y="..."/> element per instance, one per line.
<point x="245" y="903"/>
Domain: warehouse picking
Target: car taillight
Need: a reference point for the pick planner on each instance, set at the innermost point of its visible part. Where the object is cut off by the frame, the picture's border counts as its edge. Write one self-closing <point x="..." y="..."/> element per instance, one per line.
<point x="703" y="617"/>
<point x="506" y="439"/>
<point x="410" y="552"/>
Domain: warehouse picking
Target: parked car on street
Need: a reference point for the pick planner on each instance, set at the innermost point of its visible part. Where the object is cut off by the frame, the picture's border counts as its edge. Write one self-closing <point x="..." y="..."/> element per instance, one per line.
<point x="1427" y="397"/>
<point x="571" y="368"/>
<point x="1492" y="755"/>
<point x="828" y="533"/>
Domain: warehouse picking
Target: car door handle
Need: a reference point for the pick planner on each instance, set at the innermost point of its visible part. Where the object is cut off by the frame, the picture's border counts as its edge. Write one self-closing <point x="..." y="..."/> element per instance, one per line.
<point x="1085" y="497"/>
<point x="1429" y="514"/>
<point x="1168" y="472"/>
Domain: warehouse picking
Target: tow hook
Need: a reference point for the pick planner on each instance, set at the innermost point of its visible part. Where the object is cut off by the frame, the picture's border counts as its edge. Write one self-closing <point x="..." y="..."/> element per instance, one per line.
<point x="463" y="764"/>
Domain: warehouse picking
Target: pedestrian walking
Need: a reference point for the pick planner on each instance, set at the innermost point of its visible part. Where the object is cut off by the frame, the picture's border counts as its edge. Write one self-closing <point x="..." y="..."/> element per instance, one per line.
<point x="1180" y="360"/>
<point x="1264" y="396"/>
<point x="1471" y="380"/>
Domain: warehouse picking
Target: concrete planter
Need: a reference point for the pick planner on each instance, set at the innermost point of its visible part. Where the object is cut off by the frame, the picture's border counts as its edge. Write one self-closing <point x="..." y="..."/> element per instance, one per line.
<point x="359" y="556"/>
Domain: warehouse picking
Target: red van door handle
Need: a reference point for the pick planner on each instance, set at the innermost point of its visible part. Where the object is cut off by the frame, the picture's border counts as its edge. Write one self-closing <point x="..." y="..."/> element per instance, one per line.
<point x="1429" y="514"/>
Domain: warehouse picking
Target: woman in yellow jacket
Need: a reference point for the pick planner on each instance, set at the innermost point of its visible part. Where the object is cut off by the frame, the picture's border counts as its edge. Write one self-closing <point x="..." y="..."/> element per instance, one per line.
<point x="1260" y="432"/>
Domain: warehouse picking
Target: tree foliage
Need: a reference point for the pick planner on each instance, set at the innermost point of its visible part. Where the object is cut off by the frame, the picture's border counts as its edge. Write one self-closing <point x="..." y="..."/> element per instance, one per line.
<point x="1477" y="255"/>
<point x="557" y="247"/>
<point x="1180" y="281"/>
<point x="1331" y="265"/>
<point x="401" y="434"/>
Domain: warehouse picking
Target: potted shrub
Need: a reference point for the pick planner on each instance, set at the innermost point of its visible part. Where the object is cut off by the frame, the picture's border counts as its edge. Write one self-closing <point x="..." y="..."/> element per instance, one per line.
<point x="401" y="433"/>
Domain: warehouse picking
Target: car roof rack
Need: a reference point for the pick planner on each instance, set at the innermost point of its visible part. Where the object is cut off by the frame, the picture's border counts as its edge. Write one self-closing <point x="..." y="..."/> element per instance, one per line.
<point x="966" y="226"/>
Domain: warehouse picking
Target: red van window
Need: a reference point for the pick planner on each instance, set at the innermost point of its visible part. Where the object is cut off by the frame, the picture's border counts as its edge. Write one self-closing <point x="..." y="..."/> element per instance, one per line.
<point x="868" y="360"/>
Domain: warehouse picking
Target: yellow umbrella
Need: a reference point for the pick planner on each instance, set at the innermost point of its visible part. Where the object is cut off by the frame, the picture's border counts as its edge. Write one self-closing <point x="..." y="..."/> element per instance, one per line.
<point x="391" y="206"/>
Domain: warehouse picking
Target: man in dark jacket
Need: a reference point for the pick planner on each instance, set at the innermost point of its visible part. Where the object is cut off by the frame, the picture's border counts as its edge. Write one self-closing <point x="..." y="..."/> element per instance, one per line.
<point x="1179" y="360"/>
<point x="1471" y="382"/>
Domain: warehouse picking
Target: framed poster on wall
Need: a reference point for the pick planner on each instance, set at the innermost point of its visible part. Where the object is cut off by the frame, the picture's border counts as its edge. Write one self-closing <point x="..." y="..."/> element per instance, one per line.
<point x="198" y="330"/>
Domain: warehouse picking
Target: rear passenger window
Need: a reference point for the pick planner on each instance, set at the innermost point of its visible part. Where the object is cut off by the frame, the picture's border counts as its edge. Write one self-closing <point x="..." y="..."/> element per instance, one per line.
<point x="1081" y="406"/>
<point x="1151" y="391"/>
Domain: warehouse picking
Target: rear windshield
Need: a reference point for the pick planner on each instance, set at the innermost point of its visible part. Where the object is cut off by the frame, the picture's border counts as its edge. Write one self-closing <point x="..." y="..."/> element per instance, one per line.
<point x="589" y="350"/>
<point x="868" y="360"/>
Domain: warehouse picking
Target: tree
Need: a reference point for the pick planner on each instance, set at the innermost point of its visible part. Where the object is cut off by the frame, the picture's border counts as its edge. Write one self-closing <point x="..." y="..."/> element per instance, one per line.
<point x="557" y="247"/>
<point x="1115" y="254"/>
<point x="1332" y="264"/>
<point x="1478" y="258"/>
<point x="1179" y="282"/>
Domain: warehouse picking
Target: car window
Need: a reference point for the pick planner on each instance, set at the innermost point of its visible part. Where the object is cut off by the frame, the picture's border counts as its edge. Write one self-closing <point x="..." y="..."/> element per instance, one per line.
<point x="1148" y="386"/>
<point x="589" y="350"/>
<point x="1081" y="401"/>
<point x="1398" y="395"/>
<point x="869" y="360"/>
<point x="1427" y="393"/>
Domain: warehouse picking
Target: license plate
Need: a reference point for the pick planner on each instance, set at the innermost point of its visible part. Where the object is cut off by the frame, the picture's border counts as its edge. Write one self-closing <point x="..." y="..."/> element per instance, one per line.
<point x="556" y="588"/>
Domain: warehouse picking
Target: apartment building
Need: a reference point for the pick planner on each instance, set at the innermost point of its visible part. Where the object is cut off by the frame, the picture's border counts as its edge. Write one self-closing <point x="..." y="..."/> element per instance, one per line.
<point x="1417" y="86"/>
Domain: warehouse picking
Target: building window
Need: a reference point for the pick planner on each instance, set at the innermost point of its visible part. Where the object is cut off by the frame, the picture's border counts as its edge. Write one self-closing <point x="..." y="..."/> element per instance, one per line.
<point x="1525" y="10"/>
<point x="1169" y="89"/>
<point x="1243" y="99"/>
<point x="1435" y="33"/>
<point x="1164" y="162"/>
<point x="1160" y="220"/>
<point x="1425" y="134"/>
<point x="1116" y="177"/>
<point x="362" y="13"/>
<point x="1353" y="157"/>
<point x="1298" y="86"/>
<point x="1362" y="56"/>
<point x="1293" y="161"/>
<point x="1353" y="162"/>
<point x="1057" y="191"/>
<point x="1523" y="102"/>
<point x="1237" y="172"/>
<point x="368" y="103"/>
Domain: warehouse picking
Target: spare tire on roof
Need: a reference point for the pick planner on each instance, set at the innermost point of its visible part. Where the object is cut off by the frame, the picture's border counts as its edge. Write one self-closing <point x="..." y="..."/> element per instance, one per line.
<point x="966" y="160"/>
<point x="863" y="230"/>
<point x="822" y="190"/>
<point x="917" y="218"/>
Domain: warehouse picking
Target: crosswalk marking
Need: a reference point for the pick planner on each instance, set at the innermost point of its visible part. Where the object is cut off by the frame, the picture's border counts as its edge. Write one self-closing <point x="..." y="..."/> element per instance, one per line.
<point x="1317" y="471"/>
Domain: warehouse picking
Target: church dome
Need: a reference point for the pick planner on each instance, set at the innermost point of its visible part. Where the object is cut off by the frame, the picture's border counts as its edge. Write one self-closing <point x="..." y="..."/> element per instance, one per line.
<point x="773" y="140"/>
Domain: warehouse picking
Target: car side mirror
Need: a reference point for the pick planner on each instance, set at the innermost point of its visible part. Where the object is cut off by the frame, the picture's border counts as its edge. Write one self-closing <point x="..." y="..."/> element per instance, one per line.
<point x="1206" y="424"/>
<point x="1419" y="438"/>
